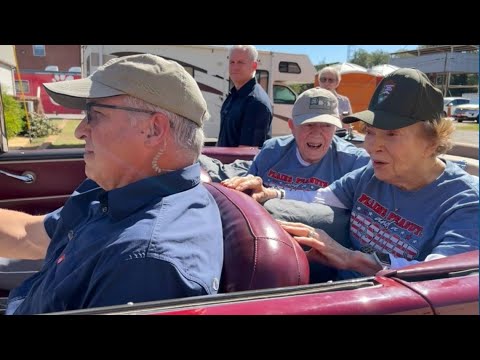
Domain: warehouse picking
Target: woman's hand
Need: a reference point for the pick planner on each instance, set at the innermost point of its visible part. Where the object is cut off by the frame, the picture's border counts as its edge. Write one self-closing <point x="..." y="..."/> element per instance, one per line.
<point x="253" y="185"/>
<point x="323" y="248"/>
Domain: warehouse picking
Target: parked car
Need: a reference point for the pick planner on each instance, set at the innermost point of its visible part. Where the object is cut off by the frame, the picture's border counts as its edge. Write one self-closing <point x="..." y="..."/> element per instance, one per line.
<point x="466" y="112"/>
<point x="450" y="104"/>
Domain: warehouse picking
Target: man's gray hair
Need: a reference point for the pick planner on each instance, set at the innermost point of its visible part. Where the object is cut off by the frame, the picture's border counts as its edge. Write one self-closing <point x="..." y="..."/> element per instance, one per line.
<point x="187" y="134"/>
<point x="250" y="49"/>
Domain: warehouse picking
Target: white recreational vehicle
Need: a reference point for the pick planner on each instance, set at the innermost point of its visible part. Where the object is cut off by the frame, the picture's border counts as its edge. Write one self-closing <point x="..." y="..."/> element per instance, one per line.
<point x="208" y="64"/>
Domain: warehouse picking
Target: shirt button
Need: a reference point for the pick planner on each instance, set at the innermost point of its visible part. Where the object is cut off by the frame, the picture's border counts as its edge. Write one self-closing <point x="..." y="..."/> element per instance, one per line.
<point x="104" y="209"/>
<point x="215" y="284"/>
<point x="70" y="235"/>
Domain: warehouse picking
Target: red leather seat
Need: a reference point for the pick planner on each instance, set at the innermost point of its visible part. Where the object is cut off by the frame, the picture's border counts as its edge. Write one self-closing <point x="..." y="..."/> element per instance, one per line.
<point x="258" y="253"/>
<point x="228" y="155"/>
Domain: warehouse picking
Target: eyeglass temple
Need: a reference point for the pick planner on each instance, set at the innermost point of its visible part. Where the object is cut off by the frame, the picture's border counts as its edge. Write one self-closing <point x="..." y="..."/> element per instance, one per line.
<point x="90" y="105"/>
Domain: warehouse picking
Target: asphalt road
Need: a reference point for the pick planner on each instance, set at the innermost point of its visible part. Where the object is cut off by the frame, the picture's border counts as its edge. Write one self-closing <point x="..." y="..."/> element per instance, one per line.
<point x="466" y="136"/>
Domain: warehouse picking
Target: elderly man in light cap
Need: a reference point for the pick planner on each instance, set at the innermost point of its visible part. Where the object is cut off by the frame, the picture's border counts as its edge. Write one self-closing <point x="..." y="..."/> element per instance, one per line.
<point x="309" y="159"/>
<point x="140" y="227"/>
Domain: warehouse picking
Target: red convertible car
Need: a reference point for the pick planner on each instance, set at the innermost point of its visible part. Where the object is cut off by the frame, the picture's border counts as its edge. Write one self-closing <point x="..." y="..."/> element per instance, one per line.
<point x="265" y="270"/>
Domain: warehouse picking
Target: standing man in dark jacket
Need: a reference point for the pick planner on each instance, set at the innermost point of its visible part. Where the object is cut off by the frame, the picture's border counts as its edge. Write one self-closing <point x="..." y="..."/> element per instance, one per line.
<point x="246" y="115"/>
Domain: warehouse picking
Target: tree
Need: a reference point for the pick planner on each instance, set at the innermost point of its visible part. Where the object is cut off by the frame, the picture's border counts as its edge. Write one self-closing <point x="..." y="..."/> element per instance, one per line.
<point x="364" y="58"/>
<point x="361" y="57"/>
<point x="379" y="57"/>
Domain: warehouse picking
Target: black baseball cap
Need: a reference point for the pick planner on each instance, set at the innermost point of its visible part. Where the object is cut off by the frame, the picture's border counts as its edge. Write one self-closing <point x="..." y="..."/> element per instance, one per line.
<point x="402" y="98"/>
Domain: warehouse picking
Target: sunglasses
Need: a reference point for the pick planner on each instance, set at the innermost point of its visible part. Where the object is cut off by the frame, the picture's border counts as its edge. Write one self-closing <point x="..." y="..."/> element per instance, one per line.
<point x="90" y="116"/>
<point x="330" y="80"/>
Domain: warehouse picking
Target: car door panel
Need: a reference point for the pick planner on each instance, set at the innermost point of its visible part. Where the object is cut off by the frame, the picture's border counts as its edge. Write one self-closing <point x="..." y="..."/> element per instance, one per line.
<point x="55" y="173"/>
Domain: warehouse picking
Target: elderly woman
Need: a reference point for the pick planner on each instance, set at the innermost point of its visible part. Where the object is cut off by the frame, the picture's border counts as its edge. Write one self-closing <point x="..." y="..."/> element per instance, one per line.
<point x="329" y="78"/>
<point x="407" y="205"/>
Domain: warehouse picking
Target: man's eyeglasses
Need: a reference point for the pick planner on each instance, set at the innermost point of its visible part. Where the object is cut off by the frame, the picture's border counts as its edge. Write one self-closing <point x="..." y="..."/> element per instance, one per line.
<point x="330" y="80"/>
<point x="88" y="109"/>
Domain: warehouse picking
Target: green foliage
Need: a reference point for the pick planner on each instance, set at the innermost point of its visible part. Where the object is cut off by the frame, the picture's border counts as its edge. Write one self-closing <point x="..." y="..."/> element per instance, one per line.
<point x="361" y="57"/>
<point x="367" y="60"/>
<point x="300" y="88"/>
<point x="13" y="115"/>
<point x="472" y="79"/>
<point x="379" y="57"/>
<point x="41" y="126"/>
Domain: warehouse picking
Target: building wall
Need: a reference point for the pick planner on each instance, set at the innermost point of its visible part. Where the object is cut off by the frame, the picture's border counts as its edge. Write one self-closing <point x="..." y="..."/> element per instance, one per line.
<point x="6" y="79"/>
<point x="63" y="56"/>
<point x="6" y="55"/>
<point x="7" y="63"/>
<point x="33" y="88"/>
<point x="442" y="62"/>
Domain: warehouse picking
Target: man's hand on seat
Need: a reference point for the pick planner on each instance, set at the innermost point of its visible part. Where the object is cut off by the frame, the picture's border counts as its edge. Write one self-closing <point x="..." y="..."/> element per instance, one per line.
<point x="252" y="185"/>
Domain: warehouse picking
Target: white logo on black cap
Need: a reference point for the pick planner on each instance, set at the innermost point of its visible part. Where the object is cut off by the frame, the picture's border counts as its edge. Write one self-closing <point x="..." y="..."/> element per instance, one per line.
<point x="386" y="91"/>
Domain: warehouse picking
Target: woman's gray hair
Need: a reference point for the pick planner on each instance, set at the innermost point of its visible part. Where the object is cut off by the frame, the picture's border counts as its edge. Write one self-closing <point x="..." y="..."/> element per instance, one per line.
<point x="187" y="134"/>
<point x="330" y="70"/>
<point x="440" y="130"/>
<point x="250" y="49"/>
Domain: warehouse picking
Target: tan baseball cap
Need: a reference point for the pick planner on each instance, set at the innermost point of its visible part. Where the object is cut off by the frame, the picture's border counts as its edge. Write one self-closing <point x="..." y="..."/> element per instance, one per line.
<point x="147" y="77"/>
<point x="316" y="105"/>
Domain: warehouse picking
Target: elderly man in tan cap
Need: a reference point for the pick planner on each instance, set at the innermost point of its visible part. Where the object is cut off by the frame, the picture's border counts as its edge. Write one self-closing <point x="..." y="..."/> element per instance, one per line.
<point x="140" y="227"/>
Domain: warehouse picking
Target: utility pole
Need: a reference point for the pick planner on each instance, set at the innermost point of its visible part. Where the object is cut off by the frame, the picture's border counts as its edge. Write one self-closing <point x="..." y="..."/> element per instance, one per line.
<point x="350" y="52"/>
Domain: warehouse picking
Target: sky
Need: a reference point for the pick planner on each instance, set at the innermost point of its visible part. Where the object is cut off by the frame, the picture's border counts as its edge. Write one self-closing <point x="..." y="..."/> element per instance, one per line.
<point x="331" y="53"/>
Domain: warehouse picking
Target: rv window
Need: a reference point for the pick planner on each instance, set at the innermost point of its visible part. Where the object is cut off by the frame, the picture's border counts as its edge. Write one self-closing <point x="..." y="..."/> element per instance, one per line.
<point x="261" y="76"/>
<point x="283" y="95"/>
<point x="289" y="67"/>
<point x="38" y="50"/>
<point x="23" y="86"/>
<point x="262" y="79"/>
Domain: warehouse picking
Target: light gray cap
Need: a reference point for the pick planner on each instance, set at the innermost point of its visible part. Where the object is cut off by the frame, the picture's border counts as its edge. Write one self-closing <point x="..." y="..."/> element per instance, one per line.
<point x="316" y="105"/>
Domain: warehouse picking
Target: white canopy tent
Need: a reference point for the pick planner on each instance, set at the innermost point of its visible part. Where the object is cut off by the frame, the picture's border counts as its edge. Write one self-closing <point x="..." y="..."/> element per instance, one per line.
<point x="347" y="68"/>
<point x="383" y="69"/>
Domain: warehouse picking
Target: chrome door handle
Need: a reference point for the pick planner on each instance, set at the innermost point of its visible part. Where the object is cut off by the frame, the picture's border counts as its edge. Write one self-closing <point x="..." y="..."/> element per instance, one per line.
<point x="27" y="177"/>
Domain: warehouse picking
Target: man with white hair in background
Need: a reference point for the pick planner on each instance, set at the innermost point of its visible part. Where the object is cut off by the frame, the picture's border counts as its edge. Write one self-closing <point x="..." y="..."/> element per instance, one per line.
<point x="246" y="114"/>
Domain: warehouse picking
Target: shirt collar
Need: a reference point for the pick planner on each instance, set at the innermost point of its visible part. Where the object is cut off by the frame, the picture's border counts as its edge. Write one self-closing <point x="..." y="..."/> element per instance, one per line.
<point x="300" y="159"/>
<point x="128" y="199"/>
<point x="246" y="88"/>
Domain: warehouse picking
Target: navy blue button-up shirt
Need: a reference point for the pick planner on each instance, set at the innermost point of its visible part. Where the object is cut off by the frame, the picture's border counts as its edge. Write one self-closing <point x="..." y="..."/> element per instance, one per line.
<point x="157" y="238"/>
<point x="246" y="117"/>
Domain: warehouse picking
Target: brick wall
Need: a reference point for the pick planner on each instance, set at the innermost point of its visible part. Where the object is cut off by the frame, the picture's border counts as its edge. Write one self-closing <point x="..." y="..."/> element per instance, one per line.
<point x="63" y="56"/>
